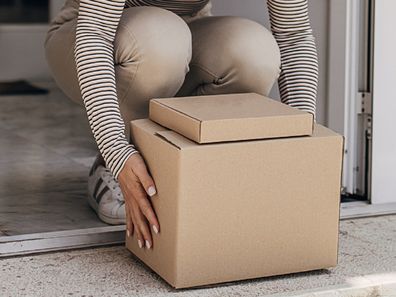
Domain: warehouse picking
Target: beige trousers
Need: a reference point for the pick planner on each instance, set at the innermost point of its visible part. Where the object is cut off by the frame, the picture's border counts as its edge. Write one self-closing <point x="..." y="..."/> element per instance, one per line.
<point x="205" y="55"/>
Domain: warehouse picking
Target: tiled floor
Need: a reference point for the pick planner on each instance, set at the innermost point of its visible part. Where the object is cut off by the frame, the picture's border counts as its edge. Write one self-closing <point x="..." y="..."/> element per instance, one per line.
<point x="46" y="149"/>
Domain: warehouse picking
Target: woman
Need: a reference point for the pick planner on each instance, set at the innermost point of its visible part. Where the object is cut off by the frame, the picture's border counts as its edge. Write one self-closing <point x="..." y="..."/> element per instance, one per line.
<point x="112" y="56"/>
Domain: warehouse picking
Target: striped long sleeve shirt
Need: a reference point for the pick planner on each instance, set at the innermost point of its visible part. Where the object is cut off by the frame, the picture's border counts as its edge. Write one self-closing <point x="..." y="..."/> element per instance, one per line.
<point x="96" y="28"/>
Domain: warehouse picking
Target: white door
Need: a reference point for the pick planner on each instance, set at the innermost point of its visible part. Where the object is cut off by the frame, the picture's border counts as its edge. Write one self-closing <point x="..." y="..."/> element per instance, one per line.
<point x="384" y="104"/>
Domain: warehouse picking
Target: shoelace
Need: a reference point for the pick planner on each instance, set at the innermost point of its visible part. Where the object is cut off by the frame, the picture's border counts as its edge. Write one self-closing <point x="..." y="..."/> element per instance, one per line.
<point x="110" y="180"/>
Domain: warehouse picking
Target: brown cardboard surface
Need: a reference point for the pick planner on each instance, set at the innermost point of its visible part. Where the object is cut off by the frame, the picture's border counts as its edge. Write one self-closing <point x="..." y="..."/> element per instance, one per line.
<point x="238" y="210"/>
<point x="230" y="117"/>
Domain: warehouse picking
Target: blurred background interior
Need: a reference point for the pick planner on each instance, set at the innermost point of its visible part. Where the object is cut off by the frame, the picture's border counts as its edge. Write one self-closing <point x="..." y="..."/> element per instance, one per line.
<point x="46" y="146"/>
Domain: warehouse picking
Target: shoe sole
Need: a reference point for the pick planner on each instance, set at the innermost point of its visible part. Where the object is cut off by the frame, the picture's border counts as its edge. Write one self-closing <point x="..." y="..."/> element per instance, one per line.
<point x="105" y="218"/>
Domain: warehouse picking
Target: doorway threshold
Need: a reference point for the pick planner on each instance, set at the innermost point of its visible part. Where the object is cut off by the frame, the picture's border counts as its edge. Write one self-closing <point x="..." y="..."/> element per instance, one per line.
<point x="363" y="209"/>
<point x="16" y="245"/>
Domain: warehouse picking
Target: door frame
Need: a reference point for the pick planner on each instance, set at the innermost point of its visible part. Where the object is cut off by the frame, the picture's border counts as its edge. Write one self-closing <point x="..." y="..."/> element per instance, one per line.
<point x="352" y="104"/>
<point x="343" y="90"/>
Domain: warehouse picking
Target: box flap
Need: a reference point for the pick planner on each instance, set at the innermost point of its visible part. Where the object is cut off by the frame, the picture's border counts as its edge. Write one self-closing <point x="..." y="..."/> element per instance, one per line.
<point x="175" y="139"/>
<point x="230" y="117"/>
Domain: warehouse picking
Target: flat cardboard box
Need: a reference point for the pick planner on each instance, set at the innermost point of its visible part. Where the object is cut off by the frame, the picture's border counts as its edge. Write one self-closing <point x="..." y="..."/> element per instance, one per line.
<point x="240" y="210"/>
<point x="230" y="117"/>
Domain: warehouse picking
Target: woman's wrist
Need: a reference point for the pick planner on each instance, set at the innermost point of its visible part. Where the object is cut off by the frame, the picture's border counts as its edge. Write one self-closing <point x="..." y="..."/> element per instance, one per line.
<point x="116" y="166"/>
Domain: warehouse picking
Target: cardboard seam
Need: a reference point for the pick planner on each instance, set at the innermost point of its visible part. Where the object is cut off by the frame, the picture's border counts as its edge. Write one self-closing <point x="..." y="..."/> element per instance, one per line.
<point x="313" y="123"/>
<point x="339" y="205"/>
<point x="200" y="132"/>
<point x="162" y="137"/>
<point x="177" y="239"/>
<point x="277" y="138"/>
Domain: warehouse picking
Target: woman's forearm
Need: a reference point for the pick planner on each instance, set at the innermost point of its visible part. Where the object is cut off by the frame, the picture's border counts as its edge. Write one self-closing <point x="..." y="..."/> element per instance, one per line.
<point x="292" y="30"/>
<point x="96" y="28"/>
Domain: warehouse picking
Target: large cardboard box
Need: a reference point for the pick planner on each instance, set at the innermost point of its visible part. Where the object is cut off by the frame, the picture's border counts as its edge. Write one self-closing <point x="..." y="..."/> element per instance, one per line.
<point x="242" y="209"/>
<point x="230" y="117"/>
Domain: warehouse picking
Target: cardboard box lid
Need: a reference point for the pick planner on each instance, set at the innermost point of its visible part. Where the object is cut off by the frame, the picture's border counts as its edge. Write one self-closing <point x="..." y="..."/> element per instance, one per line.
<point x="230" y="117"/>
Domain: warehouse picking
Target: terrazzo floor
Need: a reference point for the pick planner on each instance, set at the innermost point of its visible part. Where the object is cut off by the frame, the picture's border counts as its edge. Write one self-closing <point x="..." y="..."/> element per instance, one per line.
<point x="367" y="249"/>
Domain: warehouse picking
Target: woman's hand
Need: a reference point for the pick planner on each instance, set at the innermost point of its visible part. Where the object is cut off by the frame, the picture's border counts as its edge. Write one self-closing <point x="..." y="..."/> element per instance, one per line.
<point x="136" y="185"/>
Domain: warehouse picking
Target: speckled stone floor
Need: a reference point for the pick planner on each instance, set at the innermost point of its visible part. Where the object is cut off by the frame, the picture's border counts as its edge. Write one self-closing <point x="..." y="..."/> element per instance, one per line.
<point x="46" y="149"/>
<point x="367" y="248"/>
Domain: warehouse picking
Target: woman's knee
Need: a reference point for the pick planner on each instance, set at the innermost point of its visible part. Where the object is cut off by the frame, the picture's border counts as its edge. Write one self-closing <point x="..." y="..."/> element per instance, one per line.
<point x="254" y="53"/>
<point x="152" y="51"/>
<point x="249" y="57"/>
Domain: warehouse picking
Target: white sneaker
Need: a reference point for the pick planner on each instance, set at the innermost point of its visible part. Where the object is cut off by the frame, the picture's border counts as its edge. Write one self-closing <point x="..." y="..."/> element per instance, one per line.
<point x="105" y="196"/>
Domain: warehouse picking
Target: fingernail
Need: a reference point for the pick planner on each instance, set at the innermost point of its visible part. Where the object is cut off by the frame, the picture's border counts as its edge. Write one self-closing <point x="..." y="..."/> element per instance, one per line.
<point x="155" y="229"/>
<point x="148" y="244"/>
<point x="128" y="233"/>
<point x="140" y="243"/>
<point x="151" y="191"/>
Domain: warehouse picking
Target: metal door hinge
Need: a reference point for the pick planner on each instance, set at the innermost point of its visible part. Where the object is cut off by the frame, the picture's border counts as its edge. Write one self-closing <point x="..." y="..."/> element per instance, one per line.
<point x="365" y="108"/>
<point x="365" y="103"/>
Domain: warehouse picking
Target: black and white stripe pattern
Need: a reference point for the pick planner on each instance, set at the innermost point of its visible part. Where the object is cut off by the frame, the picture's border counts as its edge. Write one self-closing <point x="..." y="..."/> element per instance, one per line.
<point x="98" y="195"/>
<point x="292" y="30"/>
<point x="176" y="6"/>
<point x="96" y="27"/>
